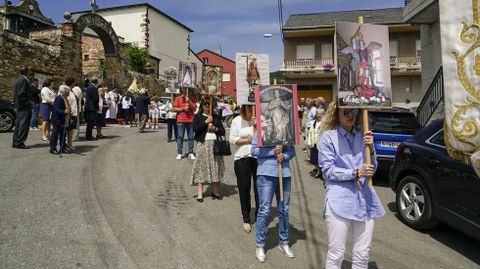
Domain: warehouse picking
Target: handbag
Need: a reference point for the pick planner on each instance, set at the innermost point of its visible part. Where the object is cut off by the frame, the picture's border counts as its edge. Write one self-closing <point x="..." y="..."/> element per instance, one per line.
<point x="221" y="147"/>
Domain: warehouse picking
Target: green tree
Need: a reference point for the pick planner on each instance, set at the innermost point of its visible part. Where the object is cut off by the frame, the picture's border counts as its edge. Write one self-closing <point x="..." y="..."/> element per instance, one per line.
<point x="137" y="58"/>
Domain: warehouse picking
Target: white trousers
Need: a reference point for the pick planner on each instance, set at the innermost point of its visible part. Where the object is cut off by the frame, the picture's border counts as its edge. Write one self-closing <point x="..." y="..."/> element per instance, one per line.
<point x="337" y="228"/>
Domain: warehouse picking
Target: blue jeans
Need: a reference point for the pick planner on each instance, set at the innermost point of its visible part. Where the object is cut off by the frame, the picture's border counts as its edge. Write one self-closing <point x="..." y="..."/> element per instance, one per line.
<point x="181" y="128"/>
<point x="171" y="126"/>
<point x="35" y="110"/>
<point x="266" y="187"/>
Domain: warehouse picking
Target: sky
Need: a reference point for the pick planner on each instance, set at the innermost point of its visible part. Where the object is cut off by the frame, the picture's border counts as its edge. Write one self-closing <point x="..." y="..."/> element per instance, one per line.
<point x="233" y="25"/>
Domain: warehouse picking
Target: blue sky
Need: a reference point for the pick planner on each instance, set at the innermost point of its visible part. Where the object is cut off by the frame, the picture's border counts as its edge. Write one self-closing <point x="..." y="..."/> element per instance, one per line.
<point x="237" y="25"/>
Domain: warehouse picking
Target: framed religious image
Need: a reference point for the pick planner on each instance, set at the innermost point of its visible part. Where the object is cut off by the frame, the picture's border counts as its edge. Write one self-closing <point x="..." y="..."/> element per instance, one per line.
<point x="212" y="79"/>
<point x="277" y="115"/>
<point x="187" y="75"/>
<point x="363" y="65"/>
<point x="252" y="70"/>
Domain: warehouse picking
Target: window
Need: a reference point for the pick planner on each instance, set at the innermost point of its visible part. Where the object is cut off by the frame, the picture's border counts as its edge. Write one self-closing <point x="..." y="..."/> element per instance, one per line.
<point x="438" y="139"/>
<point x="205" y="60"/>
<point x="418" y="47"/>
<point x="393" y="48"/>
<point x="86" y="57"/>
<point x="226" y="77"/>
<point x="326" y="51"/>
<point x="305" y="52"/>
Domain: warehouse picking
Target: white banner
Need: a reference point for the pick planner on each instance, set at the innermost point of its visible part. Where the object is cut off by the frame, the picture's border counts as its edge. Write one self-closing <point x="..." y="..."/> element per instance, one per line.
<point x="252" y="69"/>
<point x="461" y="71"/>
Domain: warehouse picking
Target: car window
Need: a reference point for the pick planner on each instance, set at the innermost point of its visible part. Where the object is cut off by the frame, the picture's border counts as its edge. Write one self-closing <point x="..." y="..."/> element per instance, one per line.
<point x="393" y="121"/>
<point x="438" y="139"/>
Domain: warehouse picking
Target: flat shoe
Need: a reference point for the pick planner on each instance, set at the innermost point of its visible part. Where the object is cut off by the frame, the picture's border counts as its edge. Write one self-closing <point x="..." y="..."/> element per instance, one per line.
<point x="200" y="200"/>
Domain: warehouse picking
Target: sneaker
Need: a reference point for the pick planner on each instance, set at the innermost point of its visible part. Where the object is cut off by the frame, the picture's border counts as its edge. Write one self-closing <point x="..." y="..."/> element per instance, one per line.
<point x="44" y="138"/>
<point x="285" y="249"/>
<point x="179" y="156"/>
<point x="191" y="156"/>
<point x="260" y="254"/>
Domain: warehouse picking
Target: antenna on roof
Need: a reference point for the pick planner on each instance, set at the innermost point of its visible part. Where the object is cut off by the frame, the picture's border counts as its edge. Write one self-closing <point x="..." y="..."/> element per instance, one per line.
<point x="94" y="5"/>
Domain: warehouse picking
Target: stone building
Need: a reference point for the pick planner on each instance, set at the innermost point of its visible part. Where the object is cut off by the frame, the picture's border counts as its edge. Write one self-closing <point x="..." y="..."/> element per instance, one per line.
<point x="167" y="39"/>
<point x="56" y="51"/>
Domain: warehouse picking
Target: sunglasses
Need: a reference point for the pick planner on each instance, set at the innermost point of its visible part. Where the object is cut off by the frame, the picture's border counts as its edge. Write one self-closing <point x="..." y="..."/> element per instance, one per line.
<point x="353" y="111"/>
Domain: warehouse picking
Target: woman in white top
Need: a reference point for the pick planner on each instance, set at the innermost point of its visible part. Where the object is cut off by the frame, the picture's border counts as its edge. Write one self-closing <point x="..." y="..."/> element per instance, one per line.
<point x="245" y="165"/>
<point x="48" y="97"/>
<point x="313" y="138"/>
<point x="126" y="104"/>
<point x="171" y="118"/>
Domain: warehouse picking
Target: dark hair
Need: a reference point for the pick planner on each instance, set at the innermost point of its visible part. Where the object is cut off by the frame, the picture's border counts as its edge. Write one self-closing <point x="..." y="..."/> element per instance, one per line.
<point x="204" y="102"/>
<point x="24" y="70"/>
<point x="94" y="80"/>
<point x="69" y="81"/>
<point x="47" y="82"/>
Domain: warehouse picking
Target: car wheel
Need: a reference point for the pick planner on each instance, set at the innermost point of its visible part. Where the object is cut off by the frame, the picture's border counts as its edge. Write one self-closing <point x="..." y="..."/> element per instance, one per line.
<point x="414" y="203"/>
<point x="7" y="121"/>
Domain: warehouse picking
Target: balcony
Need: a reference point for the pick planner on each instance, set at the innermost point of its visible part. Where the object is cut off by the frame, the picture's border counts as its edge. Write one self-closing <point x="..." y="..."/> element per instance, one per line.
<point x="309" y="66"/>
<point x="405" y="63"/>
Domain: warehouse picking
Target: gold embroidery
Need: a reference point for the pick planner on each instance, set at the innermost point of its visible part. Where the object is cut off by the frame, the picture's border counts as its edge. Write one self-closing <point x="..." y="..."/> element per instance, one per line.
<point x="461" y="129"/>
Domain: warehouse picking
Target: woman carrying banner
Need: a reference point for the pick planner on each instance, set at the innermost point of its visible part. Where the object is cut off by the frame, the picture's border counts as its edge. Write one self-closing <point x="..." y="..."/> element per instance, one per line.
<point x="245" y="165"/>
<point x="207" y="168"/>
<point x="349" y="203"/>
<point x="268" y="159"/>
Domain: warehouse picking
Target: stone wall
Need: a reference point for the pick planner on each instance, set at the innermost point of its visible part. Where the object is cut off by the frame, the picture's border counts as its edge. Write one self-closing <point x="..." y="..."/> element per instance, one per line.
<point x="93" y="54"/>
<point x="57" y="53"/>
<point x="57" y="61"/>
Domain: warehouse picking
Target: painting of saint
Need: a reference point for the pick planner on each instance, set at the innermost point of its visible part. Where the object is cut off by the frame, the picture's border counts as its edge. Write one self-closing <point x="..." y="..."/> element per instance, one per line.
<point x="277" y="120"/>
<point x="363" y="64"/>
<point x="187" y="76"/>
<point x="212" y="79"/>
<point x="252" y="69"/>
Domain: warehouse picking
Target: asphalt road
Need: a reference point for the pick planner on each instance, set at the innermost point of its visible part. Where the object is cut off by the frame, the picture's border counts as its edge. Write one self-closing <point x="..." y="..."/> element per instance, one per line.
<point x="125" y="202"/>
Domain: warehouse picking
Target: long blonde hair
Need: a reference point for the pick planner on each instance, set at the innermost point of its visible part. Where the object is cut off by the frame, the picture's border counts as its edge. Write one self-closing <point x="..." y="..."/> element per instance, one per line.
<point x="331" y="120"/>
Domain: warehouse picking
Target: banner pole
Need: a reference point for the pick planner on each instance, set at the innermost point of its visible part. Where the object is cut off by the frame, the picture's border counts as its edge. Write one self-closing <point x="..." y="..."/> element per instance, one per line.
<point x="280" y="174"/>
<point x="211" y="105"/>
<point x="368" y="157"/>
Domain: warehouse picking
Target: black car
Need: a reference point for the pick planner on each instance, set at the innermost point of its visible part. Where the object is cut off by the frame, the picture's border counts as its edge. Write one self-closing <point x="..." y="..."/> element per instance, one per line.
<point x="390" y="127"/>
<point x="7" y="116"/>
<point x="430" y="186"/>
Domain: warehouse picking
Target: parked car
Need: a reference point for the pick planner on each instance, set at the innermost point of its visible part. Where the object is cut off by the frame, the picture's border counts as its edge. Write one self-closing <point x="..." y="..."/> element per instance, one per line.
<point x="390" y="127"/>
<point x="430" y="186"/>
<point x="7" y="116"/>
<point x="163" y="108"/>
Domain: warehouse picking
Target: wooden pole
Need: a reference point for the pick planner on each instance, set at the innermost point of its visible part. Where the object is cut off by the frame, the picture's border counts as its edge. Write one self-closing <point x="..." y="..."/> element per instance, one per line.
<point x="211" y="105"/>
<point x="368" y="157"/>
<point x="280" y="180"/>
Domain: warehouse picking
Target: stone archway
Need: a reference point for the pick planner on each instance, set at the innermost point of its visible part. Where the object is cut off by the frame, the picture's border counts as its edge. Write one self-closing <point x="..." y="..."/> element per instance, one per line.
<point x="102" y="28"/>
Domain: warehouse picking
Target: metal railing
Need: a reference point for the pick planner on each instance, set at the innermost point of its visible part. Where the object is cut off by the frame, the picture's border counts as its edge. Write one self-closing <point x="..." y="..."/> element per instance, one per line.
<point x="308" y="64"/>
<point x="406" y="62"/>
<point x="432" y="99"/>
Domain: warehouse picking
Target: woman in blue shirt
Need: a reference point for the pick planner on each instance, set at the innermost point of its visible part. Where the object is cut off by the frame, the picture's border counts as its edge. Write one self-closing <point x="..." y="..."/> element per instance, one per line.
<point x="268" y="184"/>
<point x="349" y="203"/>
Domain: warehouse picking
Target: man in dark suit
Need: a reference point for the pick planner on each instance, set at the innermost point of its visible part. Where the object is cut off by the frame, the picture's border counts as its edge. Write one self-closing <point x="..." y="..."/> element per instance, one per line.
<point x="23" y="99"/>
<point x="91" y="106"/>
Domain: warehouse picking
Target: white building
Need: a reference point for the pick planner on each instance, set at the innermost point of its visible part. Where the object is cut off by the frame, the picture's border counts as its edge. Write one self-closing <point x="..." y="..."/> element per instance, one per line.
<point x="166" y="38"/>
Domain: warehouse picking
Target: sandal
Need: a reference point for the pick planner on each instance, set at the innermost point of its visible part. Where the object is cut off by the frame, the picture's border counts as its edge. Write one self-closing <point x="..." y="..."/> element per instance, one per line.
<point x="247" y="228"/>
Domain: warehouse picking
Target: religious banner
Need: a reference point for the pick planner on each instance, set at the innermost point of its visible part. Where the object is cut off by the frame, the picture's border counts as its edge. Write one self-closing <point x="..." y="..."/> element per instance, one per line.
<point x="363" y="65"/>
<point x="172" y="87"/>
<point x="461" y="71"/>
<point x="212" y="79"/>
<point x="277" y="115"/>
<point x="252" y="69"/>
<point x="187" y="75"/>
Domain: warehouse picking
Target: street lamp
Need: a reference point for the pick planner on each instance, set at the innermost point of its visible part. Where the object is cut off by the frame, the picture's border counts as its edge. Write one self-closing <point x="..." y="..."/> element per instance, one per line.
<point x="268" y="35"/>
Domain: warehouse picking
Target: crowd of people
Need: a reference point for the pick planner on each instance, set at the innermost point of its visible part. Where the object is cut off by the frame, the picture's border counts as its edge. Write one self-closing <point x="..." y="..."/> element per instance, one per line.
<point x="334" y="141"/>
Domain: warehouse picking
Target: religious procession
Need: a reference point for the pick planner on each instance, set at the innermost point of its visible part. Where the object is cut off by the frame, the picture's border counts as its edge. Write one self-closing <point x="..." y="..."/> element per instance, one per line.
<point x="162" y="153"/>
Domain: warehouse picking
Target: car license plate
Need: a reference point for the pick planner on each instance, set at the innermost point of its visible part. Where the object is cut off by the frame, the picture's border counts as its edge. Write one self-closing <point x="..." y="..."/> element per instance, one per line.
<point x="389" y="144"/>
